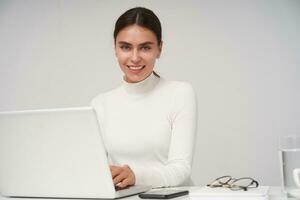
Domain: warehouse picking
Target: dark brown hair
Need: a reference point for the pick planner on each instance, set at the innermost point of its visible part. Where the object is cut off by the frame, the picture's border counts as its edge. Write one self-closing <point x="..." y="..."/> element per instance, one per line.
<point x="142" y="17"/>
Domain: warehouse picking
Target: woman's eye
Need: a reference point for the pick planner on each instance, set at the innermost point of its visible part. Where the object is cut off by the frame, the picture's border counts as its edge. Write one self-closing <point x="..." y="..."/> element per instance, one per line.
<point x="125" y="47"/>
<point x="146" y="48"/>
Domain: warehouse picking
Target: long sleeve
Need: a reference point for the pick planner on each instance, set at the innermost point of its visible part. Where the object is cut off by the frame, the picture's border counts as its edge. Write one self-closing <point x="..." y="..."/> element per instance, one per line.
<point x="176" y="171"/>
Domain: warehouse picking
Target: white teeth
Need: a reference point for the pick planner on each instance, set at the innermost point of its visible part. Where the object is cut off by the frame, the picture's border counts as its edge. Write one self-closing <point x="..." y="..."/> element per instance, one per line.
<point x="135" y="67"/>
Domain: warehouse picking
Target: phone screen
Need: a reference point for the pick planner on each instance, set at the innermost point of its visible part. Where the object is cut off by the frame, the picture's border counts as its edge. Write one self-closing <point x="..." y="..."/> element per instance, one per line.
<point x="163" y="194"/>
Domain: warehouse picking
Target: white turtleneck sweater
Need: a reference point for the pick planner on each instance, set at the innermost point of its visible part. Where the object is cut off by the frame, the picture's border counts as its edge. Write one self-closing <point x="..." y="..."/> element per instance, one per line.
<point x="150" y="126"/>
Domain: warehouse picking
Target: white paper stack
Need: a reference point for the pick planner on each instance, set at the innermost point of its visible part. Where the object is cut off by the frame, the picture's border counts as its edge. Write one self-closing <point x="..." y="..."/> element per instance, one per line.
<point x="207" y="193"/>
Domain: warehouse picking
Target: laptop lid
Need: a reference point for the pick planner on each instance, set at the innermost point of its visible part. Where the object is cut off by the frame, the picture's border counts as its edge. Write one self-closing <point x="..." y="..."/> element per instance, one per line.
<point x="53" y="153"/>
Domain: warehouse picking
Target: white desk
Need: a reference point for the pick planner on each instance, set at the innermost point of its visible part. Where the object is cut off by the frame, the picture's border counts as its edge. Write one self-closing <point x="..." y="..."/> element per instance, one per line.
<point x="275" y="194"/>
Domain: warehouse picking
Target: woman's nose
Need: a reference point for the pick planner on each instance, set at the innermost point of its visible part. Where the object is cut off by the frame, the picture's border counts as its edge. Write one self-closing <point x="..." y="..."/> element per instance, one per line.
<point x="135" y="56"/>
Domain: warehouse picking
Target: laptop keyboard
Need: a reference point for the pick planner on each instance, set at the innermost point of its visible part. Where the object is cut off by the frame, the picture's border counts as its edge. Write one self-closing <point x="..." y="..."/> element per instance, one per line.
<point x="117" y="188"/>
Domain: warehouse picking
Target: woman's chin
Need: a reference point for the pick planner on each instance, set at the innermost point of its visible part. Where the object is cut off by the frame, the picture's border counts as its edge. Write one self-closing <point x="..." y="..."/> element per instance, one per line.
<point x="135" y="78"/>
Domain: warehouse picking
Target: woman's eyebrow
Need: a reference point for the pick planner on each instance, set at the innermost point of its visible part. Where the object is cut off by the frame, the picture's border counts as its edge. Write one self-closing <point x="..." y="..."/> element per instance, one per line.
<point x="142" y="44"/>
<point x="146" y="43"/>
<point x="122" y="42"/>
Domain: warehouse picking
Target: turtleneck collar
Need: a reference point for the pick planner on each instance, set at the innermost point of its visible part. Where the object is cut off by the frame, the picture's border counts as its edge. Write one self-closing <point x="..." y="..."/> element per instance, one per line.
<point x="141" y="87"/>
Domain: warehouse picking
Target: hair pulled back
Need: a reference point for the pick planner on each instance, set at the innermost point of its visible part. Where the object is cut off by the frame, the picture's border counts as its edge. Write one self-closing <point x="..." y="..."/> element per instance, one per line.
<point x="142" y="17"/>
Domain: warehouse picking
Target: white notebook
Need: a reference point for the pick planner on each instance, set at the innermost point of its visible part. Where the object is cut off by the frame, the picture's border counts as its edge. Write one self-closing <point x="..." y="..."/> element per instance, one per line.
<point x="207" y="193"/>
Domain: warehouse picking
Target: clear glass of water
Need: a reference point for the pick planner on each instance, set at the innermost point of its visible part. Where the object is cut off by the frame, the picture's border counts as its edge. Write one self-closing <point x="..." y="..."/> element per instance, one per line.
<point x="289" y="154"/>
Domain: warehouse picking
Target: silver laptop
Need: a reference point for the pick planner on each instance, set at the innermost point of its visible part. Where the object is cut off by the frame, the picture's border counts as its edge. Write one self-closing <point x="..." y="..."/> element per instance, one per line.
<point x="55" y="153"/>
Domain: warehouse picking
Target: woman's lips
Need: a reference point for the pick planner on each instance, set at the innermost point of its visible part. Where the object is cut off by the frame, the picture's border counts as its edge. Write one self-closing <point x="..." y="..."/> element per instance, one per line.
<point x="136" y="69"/>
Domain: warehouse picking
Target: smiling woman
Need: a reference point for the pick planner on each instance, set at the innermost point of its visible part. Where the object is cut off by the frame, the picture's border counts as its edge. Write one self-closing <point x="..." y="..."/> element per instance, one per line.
<point x="148" y="123"/>
<point x="137" y="49"/>
<point x="138" y="43"/>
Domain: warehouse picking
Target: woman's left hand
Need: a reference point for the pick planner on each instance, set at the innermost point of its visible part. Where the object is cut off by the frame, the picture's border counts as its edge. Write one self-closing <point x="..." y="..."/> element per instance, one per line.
<point x="122" y="176"/>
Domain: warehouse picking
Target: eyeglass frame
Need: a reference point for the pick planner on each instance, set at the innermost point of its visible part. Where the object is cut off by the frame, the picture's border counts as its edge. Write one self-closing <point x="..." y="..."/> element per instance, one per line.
<point x="230" y="183"/>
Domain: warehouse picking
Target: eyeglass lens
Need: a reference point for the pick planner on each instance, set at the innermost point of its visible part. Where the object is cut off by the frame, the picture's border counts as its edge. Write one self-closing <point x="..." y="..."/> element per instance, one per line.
<point x="234" y="184"/>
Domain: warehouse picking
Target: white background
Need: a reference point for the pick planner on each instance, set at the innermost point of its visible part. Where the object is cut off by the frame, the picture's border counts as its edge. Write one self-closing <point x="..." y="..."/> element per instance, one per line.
<point x="242" y="57"/>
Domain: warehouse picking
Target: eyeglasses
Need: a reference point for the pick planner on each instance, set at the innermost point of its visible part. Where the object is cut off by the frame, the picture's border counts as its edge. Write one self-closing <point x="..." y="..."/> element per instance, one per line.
<point x="234" y="183"/>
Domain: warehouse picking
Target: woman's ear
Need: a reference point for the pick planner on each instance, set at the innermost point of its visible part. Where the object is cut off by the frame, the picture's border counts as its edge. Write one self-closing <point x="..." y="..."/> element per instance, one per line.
<point x="160" y="49"/>
<point x="115" y="48"/>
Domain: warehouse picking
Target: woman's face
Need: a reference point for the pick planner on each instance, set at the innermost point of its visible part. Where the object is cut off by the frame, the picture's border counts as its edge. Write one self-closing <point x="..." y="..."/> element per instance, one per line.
<point x="136" y="48"/>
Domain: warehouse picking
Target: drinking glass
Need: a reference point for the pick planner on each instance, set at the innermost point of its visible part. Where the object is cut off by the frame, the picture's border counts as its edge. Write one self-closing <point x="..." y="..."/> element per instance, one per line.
<point x="289" y="155"/>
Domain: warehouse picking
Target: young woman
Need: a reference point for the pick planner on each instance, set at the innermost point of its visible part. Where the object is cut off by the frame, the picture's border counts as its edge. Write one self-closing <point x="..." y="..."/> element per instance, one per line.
<point x="148" y="123"/>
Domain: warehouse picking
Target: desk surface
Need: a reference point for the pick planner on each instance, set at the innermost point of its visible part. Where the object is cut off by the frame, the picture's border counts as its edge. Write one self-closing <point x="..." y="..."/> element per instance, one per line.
<point x="274" y="194"/>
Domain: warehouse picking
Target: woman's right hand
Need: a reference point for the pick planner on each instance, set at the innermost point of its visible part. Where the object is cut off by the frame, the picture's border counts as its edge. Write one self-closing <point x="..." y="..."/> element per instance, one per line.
<point x="122" y="176"/>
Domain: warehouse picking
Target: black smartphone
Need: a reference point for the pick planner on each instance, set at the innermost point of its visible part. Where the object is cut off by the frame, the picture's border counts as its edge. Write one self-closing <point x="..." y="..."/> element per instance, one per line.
<point x="163" y="194"/>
